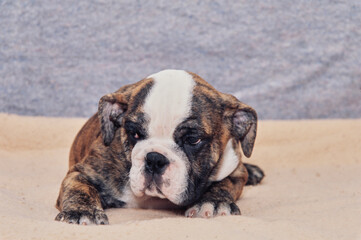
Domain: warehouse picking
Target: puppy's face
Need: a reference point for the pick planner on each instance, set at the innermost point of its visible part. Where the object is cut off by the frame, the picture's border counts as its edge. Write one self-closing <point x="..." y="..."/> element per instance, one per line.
<point x="179" y="132"/>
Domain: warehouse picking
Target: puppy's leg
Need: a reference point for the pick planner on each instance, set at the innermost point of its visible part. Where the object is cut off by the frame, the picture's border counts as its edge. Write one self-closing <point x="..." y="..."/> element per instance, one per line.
<point x="219" y="199"/>
<point x="79" y="202"/>
<point x="255" y="174"/>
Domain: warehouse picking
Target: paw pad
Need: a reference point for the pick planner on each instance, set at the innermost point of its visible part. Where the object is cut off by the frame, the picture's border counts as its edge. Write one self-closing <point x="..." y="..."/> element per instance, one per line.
<point x="83" y="217"/>
<point x="210" y="209"/>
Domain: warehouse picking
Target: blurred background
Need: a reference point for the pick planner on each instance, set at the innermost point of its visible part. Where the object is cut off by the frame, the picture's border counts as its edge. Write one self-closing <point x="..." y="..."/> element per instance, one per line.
<point x="287" y="59"/>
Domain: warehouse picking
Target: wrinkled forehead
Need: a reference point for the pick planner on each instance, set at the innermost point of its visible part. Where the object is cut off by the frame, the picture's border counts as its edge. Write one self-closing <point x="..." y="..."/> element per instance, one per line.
<point x="168" y="102"/>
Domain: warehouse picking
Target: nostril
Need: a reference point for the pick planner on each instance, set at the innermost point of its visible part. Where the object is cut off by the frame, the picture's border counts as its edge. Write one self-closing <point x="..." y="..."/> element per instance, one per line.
<point x="155" y="163"/>
<point x="160" y="164"/>
<point x="148" y="162"/>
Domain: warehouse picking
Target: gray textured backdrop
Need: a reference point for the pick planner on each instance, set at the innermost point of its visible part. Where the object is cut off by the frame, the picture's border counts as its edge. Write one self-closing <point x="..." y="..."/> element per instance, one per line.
<point x="288" y="59"/>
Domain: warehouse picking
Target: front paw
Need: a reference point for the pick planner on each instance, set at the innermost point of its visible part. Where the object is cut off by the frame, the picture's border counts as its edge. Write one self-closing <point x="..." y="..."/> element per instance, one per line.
<point x="212" y="209"/>
<point x="83" y="217"/>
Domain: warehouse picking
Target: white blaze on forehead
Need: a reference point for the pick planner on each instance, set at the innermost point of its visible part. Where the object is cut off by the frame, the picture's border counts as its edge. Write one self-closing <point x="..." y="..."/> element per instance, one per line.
<point x="168" y="102"/>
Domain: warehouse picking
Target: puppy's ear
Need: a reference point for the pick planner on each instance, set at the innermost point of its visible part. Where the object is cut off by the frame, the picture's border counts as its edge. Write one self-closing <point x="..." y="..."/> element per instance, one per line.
<point x="242" y="120"/>
<point x="110" y="112"/>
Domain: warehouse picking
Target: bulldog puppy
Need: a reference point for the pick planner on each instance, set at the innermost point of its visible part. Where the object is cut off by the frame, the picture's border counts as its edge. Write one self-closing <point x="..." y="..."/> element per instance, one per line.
<point x="170" y="136"/>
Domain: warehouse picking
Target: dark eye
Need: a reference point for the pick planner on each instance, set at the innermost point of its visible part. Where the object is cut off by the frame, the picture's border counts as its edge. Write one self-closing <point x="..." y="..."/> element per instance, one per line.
<point x="134" y="132"/>
<point x="136" y="136"/>
<point x="191" y="140"/>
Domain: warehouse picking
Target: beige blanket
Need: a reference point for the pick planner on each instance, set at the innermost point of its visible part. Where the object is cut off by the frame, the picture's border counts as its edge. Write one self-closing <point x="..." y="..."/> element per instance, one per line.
<point x="312" y="188"/>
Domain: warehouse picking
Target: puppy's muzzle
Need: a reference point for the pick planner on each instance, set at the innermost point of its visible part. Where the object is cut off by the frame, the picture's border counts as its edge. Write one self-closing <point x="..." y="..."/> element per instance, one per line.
<point x="155" y="163"/>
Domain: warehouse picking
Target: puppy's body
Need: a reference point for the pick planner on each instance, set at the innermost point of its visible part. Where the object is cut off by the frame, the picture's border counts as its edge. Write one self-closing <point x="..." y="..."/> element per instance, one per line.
<point x="171" y="136"/>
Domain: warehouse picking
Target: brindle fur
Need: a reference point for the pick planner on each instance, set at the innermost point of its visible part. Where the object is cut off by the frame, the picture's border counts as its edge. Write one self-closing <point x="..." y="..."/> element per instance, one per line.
<point x="99" y="162"/>
<point x="97" y="173"/>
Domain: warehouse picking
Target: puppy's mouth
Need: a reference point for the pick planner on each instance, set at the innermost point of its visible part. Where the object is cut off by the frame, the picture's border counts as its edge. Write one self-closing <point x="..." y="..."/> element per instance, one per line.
<point x="153" y="189"/>
<point x="158" y="170"/>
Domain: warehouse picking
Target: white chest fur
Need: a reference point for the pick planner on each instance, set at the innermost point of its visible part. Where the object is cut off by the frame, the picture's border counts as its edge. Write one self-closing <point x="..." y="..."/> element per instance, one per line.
<point x="228" y="163"/>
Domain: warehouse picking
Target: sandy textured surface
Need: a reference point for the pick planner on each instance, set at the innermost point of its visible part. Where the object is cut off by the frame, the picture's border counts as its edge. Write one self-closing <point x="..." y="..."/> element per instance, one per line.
<point x="312" y="189"/>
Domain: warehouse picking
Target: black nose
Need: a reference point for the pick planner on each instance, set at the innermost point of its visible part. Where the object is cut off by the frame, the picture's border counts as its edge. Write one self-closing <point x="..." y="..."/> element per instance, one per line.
<point x="155" y="163"/>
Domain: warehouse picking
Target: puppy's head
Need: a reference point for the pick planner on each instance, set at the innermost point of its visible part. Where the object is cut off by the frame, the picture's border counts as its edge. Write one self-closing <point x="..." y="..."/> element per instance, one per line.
<point x="179" y="132"/>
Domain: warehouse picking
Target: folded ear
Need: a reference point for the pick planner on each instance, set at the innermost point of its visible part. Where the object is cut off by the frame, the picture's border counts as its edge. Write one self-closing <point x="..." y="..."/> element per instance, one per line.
<point x="110" y="112"/>
<point x="245" y="128"/>
<point x="243" y="123"/>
